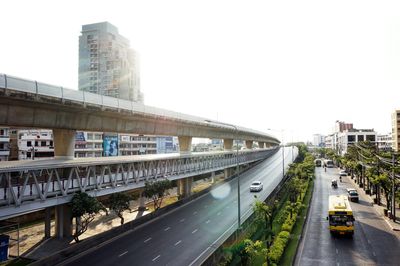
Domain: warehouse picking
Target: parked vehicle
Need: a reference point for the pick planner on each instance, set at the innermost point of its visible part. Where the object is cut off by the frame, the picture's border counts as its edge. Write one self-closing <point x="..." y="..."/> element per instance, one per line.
<point x="256" y="186"/>
<point x="329" y="163"/>
<point x="352" y="194"/>
<point x="318" y="162"/>
<point x="342" y="173"/>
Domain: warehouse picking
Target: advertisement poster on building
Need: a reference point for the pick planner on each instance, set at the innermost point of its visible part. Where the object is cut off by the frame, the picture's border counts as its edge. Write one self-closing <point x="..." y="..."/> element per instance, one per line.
<point x="110" y="144"/>
<point x="80" y="137"/>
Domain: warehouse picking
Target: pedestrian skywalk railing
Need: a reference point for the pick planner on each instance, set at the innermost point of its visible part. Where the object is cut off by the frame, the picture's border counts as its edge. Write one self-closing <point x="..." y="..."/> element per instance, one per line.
<point x="59" y="182"/>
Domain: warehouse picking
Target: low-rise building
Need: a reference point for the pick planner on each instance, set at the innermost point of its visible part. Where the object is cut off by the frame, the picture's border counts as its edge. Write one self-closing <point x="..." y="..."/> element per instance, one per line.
<point x="385" y="142"/>
<point x="352" y="136"/>
<point x="345" y="134"/>
<point x="35" y="143"/>
<point x="88" y="144"/>
<point x="134" y="144"/>
<point x="167" y="144"/>
<point x="4" y="144"/>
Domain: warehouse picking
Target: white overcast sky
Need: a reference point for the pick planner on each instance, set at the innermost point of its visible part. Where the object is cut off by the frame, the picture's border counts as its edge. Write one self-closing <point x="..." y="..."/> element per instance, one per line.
<point x="293" y="65"/>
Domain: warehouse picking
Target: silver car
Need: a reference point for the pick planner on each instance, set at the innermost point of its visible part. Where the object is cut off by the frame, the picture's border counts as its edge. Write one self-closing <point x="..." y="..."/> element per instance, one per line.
<point x="256" y="186"/>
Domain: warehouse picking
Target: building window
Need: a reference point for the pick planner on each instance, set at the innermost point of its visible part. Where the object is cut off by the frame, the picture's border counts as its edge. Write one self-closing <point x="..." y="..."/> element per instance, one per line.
<point x="28" y="143"/>
<point x="371" y="138"/>
<point x="43" y="143"/>
<point x="360" y="138"/>
<point x="351" y="138"/>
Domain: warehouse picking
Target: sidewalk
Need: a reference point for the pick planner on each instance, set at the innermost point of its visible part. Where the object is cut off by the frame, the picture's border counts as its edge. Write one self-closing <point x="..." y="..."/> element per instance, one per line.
<point x="34" y="246"/>
<point x="379" y="209"/>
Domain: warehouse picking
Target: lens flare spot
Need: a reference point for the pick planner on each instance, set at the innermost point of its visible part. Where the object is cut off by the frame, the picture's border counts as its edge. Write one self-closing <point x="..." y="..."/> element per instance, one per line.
<point x="221" y="191"/>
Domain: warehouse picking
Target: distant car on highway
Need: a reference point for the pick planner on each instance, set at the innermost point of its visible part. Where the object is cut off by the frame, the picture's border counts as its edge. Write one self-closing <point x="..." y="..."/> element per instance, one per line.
<point x="256" y="186"/>
<point x="342" y="173"/>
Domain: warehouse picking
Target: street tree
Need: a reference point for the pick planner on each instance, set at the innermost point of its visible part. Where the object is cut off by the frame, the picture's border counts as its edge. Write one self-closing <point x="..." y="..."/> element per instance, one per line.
<point x="84" y="209"/>
<point x="119" y="202"/>
<point x="256" y="251"/>
<point x="265" y="215"/>
<point x="157" y="191"/>
<point x="385" y="183"/>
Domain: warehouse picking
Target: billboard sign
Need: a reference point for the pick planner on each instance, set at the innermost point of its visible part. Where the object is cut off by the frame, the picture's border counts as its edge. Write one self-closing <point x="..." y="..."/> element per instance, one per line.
<point x="110" y="145"/>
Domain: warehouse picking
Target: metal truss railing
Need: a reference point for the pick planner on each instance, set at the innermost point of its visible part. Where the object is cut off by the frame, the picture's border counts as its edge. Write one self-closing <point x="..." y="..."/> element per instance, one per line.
<point x="40" y="184"/>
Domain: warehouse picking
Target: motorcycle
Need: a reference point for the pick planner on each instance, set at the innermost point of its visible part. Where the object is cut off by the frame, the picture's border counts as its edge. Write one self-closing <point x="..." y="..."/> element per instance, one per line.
<point x="334" y="183"/>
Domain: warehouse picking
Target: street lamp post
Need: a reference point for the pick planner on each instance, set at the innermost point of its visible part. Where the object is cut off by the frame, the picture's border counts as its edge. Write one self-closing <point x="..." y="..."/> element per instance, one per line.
<point x="237" y="162"/>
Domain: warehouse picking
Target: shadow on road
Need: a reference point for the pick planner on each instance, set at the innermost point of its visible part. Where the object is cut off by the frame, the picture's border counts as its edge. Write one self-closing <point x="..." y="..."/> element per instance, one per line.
<point x="369" y="246"/>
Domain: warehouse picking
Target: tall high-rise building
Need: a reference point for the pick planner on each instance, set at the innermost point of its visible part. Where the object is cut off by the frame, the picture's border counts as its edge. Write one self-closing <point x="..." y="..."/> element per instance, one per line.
<point x="396" y="130"/>
<point x="107" y="64"/>
<point x="318" y="140"/>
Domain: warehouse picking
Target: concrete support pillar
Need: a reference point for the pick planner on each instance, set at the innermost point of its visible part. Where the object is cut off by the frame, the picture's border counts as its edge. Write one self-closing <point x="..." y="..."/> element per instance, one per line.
<point x="185" y="144"/>
<point x="261" y="145"/>
<point x="189" y="186"/>
<point x="47" y="223"/>
<point x="213" y="177"/>
<point x="228" y="144"/>
<point x="64" y="143"/>
<point x="228" y="172"/>
<point x="142" y="202"/>
<point x="185" y="187"/>
<point x="249" y="144"/>
<point x="63" y="221"/>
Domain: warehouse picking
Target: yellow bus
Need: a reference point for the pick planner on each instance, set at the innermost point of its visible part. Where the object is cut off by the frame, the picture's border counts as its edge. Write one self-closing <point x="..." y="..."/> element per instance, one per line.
<point x="341" y="219"/>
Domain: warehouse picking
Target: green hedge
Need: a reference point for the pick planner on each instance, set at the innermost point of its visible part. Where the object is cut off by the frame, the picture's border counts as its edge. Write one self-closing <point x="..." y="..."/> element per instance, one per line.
<point x="276" y="250"/>
<point x="288" y="224"/>
<point x="278" y="247"/>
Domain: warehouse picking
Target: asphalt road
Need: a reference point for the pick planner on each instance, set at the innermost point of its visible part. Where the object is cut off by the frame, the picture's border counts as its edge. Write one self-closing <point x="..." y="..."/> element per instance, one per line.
<point x="373" y="242"/>
<point x="181" y="236"/>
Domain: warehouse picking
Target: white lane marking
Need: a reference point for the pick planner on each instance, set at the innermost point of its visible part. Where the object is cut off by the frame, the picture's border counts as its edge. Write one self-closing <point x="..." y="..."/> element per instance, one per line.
<point x="194" y="213"/>
<point x="337" y="264"/>
<point x="177" y="243"/>
<point x="219" y="213"/>
<point x="207" y="221"/>
<point x="166" y="229"/>
<point x="194" y="231"/>
<point x="156" y="258"/>
<point x="337" y="252"/>
<point x="369" y="242"/>
<point x="373" y="253"/>
<point x="122" y="254"/>
<point x="147" y="240"/>
<point x="182" y="220"/>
